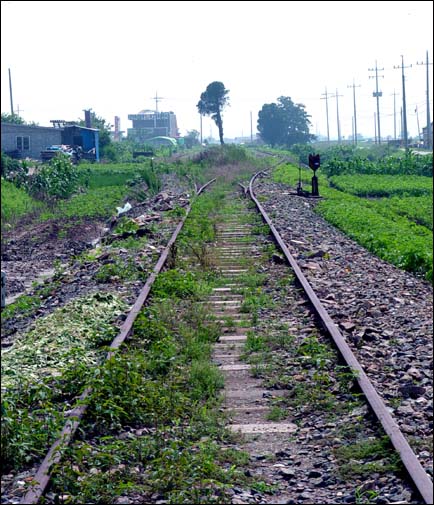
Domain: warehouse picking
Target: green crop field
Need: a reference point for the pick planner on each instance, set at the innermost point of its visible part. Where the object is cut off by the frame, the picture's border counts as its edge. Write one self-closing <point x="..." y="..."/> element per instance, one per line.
<point x="383" y="185"/>
<point x="397" y="229"/>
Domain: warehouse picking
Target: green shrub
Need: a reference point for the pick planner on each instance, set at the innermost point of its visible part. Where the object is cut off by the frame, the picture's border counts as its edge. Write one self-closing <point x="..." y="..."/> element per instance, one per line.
<point x="58" y="179"/>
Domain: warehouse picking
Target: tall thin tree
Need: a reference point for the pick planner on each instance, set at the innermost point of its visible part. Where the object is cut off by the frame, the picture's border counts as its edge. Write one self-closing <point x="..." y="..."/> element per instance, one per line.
<point x="212" y="102"/>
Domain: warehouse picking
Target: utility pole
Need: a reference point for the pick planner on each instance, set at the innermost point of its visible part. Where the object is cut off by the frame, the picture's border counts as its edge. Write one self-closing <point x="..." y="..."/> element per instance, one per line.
<point x="394" y="115"/>
<point x="251" y="128"/>
<point x="404" y="107"/>
<point x="428" y="118"/>
<point x="401" y="133"/>
<point x="19" y="110"/>
<point x="337" y="114"/>
<point x="355" y="115"/>
<point x="352" y="130"/>
<point x="377" y="95"/>
<point x="375" y="126"/>
<point x="201" y="137"/>
<point x="418" y="127"/>
<point x="157" y="99"/>
<point x="327" y="114"/>
<point x="10" y="92"/>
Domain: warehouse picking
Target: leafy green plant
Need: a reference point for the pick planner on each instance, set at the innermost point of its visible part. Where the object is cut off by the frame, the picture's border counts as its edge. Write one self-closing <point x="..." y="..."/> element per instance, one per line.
<point x="125" y="225"/>
<point x="205" y="380"/>
<point x="119" y="270"/>
<point x="34" y="380"/>
<point x="254" y="343"/>
<point x="58" y="179"/>
<point x="23" y="306"/>
<point x="383" y="185"/>
<point x="362" y="495"/>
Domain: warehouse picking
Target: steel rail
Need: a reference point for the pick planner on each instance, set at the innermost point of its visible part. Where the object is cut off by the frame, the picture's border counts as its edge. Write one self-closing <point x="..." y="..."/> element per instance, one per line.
<point x="419" y="476"/>
<point x="54" y="454"/>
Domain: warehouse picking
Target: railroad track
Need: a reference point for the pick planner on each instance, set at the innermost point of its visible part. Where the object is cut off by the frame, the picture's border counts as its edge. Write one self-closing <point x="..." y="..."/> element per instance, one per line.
<point x="254" y="410"/>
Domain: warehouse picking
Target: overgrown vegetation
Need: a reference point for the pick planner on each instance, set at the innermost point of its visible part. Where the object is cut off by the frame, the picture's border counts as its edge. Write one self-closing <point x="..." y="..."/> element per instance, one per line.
<point x="163" y="393"/>
<point x="374" y="160"/>
<point x="393" y="234"/>
<point x="47" y="365"/>
<point x="15" y="202"/>
<point x="365" y="457"/>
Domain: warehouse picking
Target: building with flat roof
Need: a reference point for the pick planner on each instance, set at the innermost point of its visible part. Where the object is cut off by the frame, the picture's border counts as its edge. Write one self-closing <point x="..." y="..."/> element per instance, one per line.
<point x="25" y="141"/>
<point x="148" y="124"/>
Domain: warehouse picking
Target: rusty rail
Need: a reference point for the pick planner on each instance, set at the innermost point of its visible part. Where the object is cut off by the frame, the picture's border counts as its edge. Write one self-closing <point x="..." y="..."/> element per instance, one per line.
<point x="53" y="456"/>
<point x="244" y="188"/>
<point x="419" y="476"/>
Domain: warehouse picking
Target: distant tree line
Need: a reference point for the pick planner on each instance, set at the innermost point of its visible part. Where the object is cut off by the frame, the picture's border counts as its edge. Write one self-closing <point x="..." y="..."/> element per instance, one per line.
<point x="279" y="124"/>
<point x="16" y="119"/>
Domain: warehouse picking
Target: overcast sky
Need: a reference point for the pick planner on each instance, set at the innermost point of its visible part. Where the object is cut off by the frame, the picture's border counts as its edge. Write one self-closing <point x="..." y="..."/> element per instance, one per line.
<point x="114" y="57"/>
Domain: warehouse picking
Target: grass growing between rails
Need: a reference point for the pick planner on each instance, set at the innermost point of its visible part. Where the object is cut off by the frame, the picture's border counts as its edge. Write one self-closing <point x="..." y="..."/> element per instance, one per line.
<point x="316" y="386"/>
<point x="161" y="392"/>
<point x="388" y="234"/>
<point x="229" y="163"/>
<point x="362" y="458"/>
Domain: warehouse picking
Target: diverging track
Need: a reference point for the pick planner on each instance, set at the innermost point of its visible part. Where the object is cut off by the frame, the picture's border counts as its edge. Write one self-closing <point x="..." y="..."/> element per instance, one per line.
<point x="228" y="389"/>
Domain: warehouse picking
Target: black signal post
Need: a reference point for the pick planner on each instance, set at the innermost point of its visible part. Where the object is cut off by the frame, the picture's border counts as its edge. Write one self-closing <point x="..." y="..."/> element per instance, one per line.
<point x="314" y="164"/>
